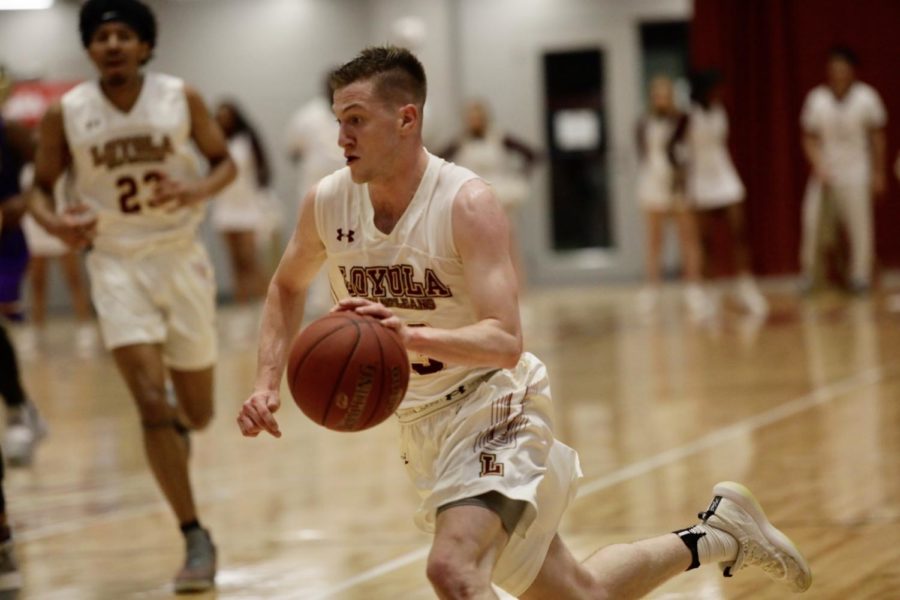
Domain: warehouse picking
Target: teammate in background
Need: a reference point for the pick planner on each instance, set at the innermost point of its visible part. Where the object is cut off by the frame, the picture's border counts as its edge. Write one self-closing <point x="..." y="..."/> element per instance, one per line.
<point x="504" y="161"/>
<point x="24" y="426"/>
<point x="713" y="185"/>
<point x="843" y="137"/>
<point x="661" y="193"/>
<point x="128" y="139"/>
<point x="476" y="422"/>
<point x="239" y="211"/>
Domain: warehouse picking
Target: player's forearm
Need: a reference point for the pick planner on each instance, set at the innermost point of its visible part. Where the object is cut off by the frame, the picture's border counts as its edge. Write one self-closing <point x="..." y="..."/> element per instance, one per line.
<point x="484" y="344"/>
<point x="282" y="316"/>
<point x="221" y="174"/>
<point x="40" y="205"/>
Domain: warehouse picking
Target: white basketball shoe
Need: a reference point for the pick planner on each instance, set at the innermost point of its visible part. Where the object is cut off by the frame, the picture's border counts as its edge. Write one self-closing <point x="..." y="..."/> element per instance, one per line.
<point x="736" y="511"/>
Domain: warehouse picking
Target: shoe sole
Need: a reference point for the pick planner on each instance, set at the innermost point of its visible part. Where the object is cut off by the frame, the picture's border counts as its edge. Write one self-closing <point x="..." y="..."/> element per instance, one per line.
<point x="743" y="497"/>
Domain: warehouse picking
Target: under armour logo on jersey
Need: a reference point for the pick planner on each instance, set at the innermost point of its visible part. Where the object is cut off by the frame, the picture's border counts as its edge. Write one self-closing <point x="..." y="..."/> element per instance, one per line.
<point x="341" y="235"/>
<point x="92" y="124"/>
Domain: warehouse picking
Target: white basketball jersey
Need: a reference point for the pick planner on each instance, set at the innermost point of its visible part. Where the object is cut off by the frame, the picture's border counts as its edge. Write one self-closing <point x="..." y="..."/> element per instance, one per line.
<point x="415" y="270"/>
<point x="118" y="157"/>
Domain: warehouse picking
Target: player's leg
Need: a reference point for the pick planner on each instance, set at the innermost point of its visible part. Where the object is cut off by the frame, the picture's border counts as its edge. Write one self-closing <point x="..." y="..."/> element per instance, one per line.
<point x="142" y="368"/>
<point x="468" y="539"/>
<point x="167" y="452"/>
<point x="733" y="533"/>
<point x="194" y="391"/>
<point x="620" y="571"/>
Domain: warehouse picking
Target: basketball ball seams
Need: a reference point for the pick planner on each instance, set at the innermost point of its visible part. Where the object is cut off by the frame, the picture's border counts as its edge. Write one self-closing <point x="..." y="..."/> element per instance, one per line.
<point x="382" y="378"/>
<point x="344" y="380"/>
<point x="340" y="378"/>
<point x="292" y="372"/>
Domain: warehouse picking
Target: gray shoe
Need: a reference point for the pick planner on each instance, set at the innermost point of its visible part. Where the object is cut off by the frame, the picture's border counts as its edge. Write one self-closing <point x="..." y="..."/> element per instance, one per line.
<point x="10" y="578"/>
<point x="24" y="429"/>
<point x="736" y="511"/>
<point x="199" y="571"/>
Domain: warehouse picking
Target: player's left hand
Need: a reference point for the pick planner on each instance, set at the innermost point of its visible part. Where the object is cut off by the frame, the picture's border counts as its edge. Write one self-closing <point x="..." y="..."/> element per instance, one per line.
<point x="381" y="312"/>
<point x="171" y="195"/>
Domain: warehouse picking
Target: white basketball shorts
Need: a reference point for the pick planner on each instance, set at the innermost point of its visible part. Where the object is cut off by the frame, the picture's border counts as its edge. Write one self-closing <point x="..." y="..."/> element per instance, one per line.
<point x="166" y="297"/>
<point x="497" y="438"/>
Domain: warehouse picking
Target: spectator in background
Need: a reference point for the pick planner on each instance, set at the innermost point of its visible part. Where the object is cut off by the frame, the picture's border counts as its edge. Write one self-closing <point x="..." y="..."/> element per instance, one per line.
<point x="713" y="184"/>
<point x="843" y="137"/>
<point x="240" y="210"/>
<point x="660" y="191"/>
<point x="504" y="161"/>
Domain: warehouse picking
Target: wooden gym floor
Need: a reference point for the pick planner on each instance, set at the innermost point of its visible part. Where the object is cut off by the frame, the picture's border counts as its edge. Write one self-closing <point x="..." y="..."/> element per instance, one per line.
<point x="804" y="408"/>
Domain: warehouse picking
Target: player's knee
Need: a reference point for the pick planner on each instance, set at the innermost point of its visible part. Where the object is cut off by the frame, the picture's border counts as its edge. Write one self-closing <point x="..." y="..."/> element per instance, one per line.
<point x="152" y="404"/>
<point x="453" y="577"/>
<point x="199" y="419"/>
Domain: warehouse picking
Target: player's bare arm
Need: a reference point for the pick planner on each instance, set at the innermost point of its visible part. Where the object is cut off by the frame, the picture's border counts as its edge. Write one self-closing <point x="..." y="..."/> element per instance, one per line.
<point x="282" y="315"/>
<point x="481" y="235"/>
<point x="211" y="142"/>
<point x="76" y="226"/>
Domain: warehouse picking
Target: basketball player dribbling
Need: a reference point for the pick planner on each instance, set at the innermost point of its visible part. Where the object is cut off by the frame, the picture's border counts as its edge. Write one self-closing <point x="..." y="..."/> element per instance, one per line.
<point x="128" y="139"/>
<point x="423" y="245"/>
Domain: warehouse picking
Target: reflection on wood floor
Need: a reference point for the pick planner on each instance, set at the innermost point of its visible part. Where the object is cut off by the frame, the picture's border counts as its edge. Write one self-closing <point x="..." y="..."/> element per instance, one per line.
<point x="802" y="407"/>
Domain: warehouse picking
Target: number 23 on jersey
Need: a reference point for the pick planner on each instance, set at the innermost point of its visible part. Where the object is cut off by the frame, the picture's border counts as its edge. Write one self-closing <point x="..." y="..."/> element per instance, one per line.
<point x="136" y="192"/>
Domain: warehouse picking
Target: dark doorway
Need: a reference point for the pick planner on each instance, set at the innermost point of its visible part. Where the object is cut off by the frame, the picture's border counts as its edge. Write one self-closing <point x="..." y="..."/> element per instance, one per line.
<point x="576" y="137"/>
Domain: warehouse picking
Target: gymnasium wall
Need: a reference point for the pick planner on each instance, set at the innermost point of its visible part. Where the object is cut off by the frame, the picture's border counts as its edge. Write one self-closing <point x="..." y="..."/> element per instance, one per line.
<point x="772" y="52"/>
<point x="270" y="55"/>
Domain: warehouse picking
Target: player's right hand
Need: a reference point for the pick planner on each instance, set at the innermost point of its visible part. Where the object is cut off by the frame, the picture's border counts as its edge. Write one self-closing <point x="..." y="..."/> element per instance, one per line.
<point x="257" y="414"/>
<point x="76" y="226"/>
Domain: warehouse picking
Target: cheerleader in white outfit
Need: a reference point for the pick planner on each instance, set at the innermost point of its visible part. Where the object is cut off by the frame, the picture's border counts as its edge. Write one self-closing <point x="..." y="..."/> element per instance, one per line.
<point x="241" y="210"/>
<point x="660" y="191"/>
<point x="713" y="184"/>
<point x="501" y="159"/>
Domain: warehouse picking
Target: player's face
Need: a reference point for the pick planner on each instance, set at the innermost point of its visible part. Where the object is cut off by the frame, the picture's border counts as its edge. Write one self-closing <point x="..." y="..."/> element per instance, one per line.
<point x="369" y="130"/>
<point x="117" y="52"/>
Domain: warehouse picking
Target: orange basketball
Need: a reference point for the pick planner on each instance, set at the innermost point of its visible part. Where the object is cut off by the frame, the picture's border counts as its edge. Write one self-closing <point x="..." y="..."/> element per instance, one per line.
<point x="347" y="372"/>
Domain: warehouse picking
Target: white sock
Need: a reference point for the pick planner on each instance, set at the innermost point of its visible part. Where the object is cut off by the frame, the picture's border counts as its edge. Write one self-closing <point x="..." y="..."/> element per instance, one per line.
<point x="708" y="544"/>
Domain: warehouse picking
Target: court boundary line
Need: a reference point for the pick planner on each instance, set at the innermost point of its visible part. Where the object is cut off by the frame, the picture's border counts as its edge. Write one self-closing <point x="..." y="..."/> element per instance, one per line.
<point x="813" y="399"/>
